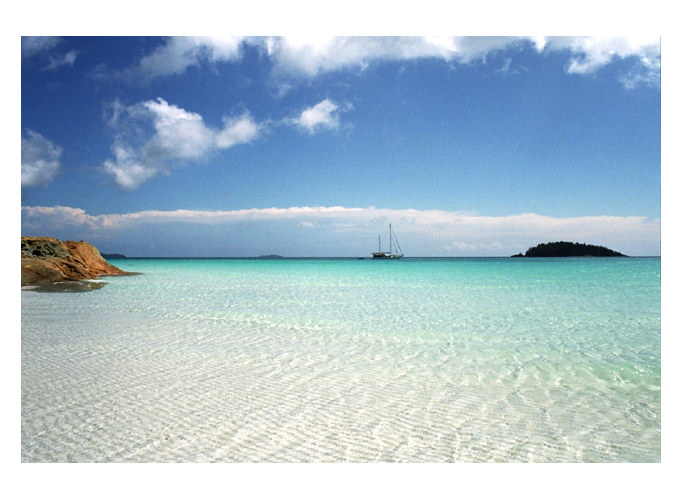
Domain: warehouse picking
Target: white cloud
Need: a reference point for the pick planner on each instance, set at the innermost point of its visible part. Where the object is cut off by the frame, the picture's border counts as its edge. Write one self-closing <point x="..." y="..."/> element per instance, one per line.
<point x="589" y="54"/>
<point x="322" y="115"/>
<point x="237" y="130"/>
<point x="421" y="232"/>
<point x="44" y="48"/>
<point x="127" y="169"/>
<point x="59" y="216"/>
<point x="153" y="136"/>
<point x="179" y="53"/>
<point x="59" y="60"/>
<point x="592" y="53"/>
<point x="178" y="133"/>
<point x="33" y="45"/>
<point x="309" y="56"/>
<point x="40" y="159"/>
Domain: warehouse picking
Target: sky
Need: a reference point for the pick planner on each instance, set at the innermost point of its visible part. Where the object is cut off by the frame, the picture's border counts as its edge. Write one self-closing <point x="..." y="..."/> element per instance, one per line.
<point x="310" y="146"/>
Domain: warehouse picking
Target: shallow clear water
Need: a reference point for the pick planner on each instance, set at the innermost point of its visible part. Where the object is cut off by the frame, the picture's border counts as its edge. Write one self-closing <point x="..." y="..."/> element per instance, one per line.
<point x="546" y="360"/>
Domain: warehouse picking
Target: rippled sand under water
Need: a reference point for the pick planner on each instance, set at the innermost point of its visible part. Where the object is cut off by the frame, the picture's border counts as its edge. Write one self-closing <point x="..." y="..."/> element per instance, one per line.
<point x="465" y="360"/>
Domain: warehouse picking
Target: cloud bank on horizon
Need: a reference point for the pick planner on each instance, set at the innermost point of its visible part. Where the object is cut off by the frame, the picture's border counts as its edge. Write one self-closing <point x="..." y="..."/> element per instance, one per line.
<point x="425" y="233"/>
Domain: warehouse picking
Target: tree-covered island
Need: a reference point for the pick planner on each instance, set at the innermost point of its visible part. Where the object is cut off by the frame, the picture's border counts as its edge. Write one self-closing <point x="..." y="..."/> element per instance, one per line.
<point x="568" y="249"/>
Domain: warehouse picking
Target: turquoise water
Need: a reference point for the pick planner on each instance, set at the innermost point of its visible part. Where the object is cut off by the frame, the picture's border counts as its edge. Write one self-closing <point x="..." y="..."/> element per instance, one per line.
<point x="417" y="360"/>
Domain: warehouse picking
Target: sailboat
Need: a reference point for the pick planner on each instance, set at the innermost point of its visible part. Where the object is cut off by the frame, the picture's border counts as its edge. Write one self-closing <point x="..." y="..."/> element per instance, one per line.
<point x="389" y="255"/>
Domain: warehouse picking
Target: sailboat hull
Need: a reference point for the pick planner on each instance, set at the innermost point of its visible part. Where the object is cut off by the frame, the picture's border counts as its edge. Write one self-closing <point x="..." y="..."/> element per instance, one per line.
<point x="388" y="255"/>
<point x="385" y="255"/>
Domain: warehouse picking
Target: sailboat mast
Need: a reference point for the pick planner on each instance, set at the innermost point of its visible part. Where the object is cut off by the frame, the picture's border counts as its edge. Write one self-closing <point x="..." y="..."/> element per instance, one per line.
<point x="379" y="244"/>
<point x="390" y="238"/>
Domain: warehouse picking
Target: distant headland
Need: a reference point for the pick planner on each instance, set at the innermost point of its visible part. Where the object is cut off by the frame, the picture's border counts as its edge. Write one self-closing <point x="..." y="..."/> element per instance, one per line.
<point x="114" y="256"/>
<point x="54" y="265"/>
<point x="568" y="249"/>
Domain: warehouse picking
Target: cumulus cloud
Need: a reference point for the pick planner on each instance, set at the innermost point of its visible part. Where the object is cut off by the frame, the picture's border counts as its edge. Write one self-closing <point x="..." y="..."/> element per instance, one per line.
<point x="179" y="53"/>
<point x="237" y="130"/>
<point x="40" y="159"/>
<point x="59" y="60"/>
<point x="154" y="136"/>
<point x="127" y="169"/>
<point x="33" y="45"/>
<point x="592" y="53"/>
<point x="589" y="54"/>
<point x="322" y="115"/>
<point x="177" y="133"/>
<point x="421" y="232"/>
<point x="309" y="56"/>
<point x="45" y="48"/>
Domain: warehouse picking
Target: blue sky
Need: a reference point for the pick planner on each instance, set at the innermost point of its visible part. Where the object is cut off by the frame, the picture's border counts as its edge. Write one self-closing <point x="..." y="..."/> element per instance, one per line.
<point x="241" y="146"/>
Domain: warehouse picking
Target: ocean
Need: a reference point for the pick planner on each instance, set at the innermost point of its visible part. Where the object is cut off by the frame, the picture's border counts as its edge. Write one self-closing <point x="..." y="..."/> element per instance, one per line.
<point x="346" y="360"/>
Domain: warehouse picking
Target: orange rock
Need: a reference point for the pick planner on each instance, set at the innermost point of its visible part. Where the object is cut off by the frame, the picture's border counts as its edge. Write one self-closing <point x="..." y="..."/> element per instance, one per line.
<point x="47" y="260"/>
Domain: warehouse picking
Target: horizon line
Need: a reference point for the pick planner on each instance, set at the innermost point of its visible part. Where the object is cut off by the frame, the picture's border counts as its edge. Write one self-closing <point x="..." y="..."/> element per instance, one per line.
<point x="359" y="257"/>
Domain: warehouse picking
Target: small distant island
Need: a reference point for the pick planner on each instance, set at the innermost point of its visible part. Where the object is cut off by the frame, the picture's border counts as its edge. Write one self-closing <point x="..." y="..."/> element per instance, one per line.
<point x="269" y="257"/>
<point x="113" y="256"/>
<point x="568" y="249"/>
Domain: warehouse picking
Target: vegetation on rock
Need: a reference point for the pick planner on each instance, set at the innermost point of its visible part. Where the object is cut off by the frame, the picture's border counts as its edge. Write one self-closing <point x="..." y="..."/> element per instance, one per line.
<point x="48" y="260"/>
<point x="568" y="249"/>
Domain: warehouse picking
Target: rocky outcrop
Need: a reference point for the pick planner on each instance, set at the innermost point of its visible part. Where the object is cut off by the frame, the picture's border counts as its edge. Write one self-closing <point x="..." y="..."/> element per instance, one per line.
<point x="47" y="260"/>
